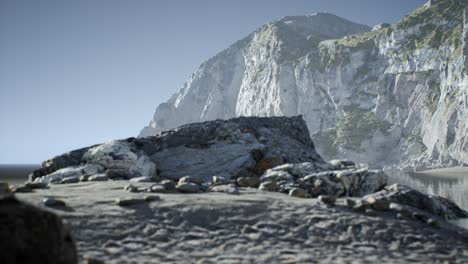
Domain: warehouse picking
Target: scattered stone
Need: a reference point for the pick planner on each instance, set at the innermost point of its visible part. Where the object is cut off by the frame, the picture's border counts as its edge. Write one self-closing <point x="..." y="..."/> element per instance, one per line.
<point x="157" y="188"/>
<point x="269" y="186"/>
<point x="36" y="185"/>
<point x="350" y="203"/>
<point x="402" y="210"/>
<point x="188" y="187"/>
<point x="226" y="188"/>
<point x="298" y="192"/>
<point x="370" y="212"/>
<point x="98" y="177"/>
<point x="141" y="179"/>
<point x="378" y="204"/>
<point x="128" y="201"/>
<point x="33" y="235"/>
<point x="84" y="178"/>
<point x="432" y="204"/>
<point x="114" y="174"/>
<point x="192" y="179"/>
<point x="218" y="180"/>
<point x="71" y="179"/>
<point x="329" y="200"/>
<point x="251" y="181"/>
<point x="52" y="202"/>
<point x="168" y="184"/>
<point x="432" y="222"/>
<point x="131" y="188"/>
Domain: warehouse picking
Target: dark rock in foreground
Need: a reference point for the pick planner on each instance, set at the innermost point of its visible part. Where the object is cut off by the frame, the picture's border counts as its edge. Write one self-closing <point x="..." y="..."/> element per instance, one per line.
<point x="32" y="235"/>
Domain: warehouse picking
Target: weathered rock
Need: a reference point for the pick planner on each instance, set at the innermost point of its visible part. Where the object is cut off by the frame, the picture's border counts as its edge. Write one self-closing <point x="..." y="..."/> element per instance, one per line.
<point x="168" y="184"/>
<point x="131" y="188"/>
<point x="432" y="204"/>
<point x="270" y="186"/>
<point x="218" y="180"/>
<point x="329" y="200"/>
<point x="194" y="179"/>
<point x="98" y="177"/>
<point x="36" y="185"/>
<point x="342" y="164"/>
<point x="70" y="179"/>
<point x="142" y="179"/>
<point x="128" y="201"/>
<point x="252" y="181"/>
<point x="188" y="187"/>
<point x="220" y="147"/>
<point x="32" y="235"/>
<point x="226" y="188"/>
<point x="157" y="188"/>
<point x="118" y="174"/>
<point x="298" y="192"/>
<point x="52" y="202"/>
<point x="378" y="204"/>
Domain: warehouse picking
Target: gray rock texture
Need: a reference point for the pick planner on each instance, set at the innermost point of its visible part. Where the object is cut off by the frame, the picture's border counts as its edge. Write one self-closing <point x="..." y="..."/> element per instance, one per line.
<point x="244" y="146"/>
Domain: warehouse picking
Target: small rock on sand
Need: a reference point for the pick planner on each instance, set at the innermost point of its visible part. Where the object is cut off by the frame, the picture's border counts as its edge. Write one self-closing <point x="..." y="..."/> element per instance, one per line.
<point x="192" y="179"/>
<point x="98" y="177"/>
<point x="141" y="179"/>
<point x="268" y="186"/>
<point x="52" y="202"/>
<point x="188" y="187"/>
<point x="330" y="200"/>
<point x="36" y="185"/>
<point x="157" y="188"/>
<point x="226" y="188"/>
<point x="128" y="201"/>
<point x="131" y="188"/>
<point x="298" y="192"/>
<point x="248" y="181"/>
<point x="71" y="179"/>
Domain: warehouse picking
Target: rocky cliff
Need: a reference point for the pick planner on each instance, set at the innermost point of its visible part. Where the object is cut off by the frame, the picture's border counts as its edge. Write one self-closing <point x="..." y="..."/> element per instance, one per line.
<point x="394" y="94"/>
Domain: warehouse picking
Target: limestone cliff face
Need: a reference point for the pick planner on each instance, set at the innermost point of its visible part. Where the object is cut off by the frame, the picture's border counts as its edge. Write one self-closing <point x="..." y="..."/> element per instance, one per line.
<point x="396" y="94"/>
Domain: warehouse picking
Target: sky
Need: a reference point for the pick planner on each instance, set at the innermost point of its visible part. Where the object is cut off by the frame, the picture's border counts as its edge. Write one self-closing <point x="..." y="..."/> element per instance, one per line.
<point x="76" y="73"/>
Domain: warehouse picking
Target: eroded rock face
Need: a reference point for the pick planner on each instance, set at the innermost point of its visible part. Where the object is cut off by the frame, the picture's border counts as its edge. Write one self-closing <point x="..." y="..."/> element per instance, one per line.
<point x="32" y="235"/>
<point x="432" y="204"/>
<point x="239" y="147"/>
<point x="338" y="178"/>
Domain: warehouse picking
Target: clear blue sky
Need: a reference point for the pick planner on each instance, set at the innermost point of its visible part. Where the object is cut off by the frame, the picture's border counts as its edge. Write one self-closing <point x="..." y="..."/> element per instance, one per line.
<point x="75" y="73"/>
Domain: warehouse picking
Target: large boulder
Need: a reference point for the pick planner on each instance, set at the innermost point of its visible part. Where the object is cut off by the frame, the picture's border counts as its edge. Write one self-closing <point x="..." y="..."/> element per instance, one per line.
<point x="432" y="204"/>
<point x="32" y="235"/>
<point x="238" y="147"/>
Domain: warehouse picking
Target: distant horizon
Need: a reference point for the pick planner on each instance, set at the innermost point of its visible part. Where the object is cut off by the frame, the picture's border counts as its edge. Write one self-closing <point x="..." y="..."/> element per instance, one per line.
<point x="74" y="74"/>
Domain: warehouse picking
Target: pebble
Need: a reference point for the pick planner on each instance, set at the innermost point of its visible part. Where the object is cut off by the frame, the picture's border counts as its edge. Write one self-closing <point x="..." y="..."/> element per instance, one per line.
<point x="188" y="187"/>
<point x="168" y="184"/>
<point x="350" y="203"/>
<point x="229" y="189"/>
<point x="128" y="201"/>
<point x="268" y="186"/>
<point x="157" y="188"/>
<point x="330" y="200"/>
<point x="192" y="179"/>
<point x="52" y="202"/>
<point x="141" y="179"/>
<point x="248" y="181"/>
<point x="98" y="177"/>
<point x="218" y="180"/>
<point x="370" y="212"/>
<point x="72" y="179"/>
<point x="298" y="192"/>
<point x="130" y="188"/>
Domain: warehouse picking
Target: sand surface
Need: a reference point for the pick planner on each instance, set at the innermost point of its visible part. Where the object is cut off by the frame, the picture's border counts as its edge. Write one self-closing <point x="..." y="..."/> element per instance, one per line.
<point x="253" y="227"/>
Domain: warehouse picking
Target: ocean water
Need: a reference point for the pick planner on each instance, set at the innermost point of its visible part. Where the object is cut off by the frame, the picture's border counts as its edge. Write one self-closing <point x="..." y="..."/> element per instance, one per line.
<point x="16" y="173"/>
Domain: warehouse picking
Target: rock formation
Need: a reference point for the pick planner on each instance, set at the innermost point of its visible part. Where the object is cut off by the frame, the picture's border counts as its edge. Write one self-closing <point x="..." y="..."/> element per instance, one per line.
<point x="394" y="95"/>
